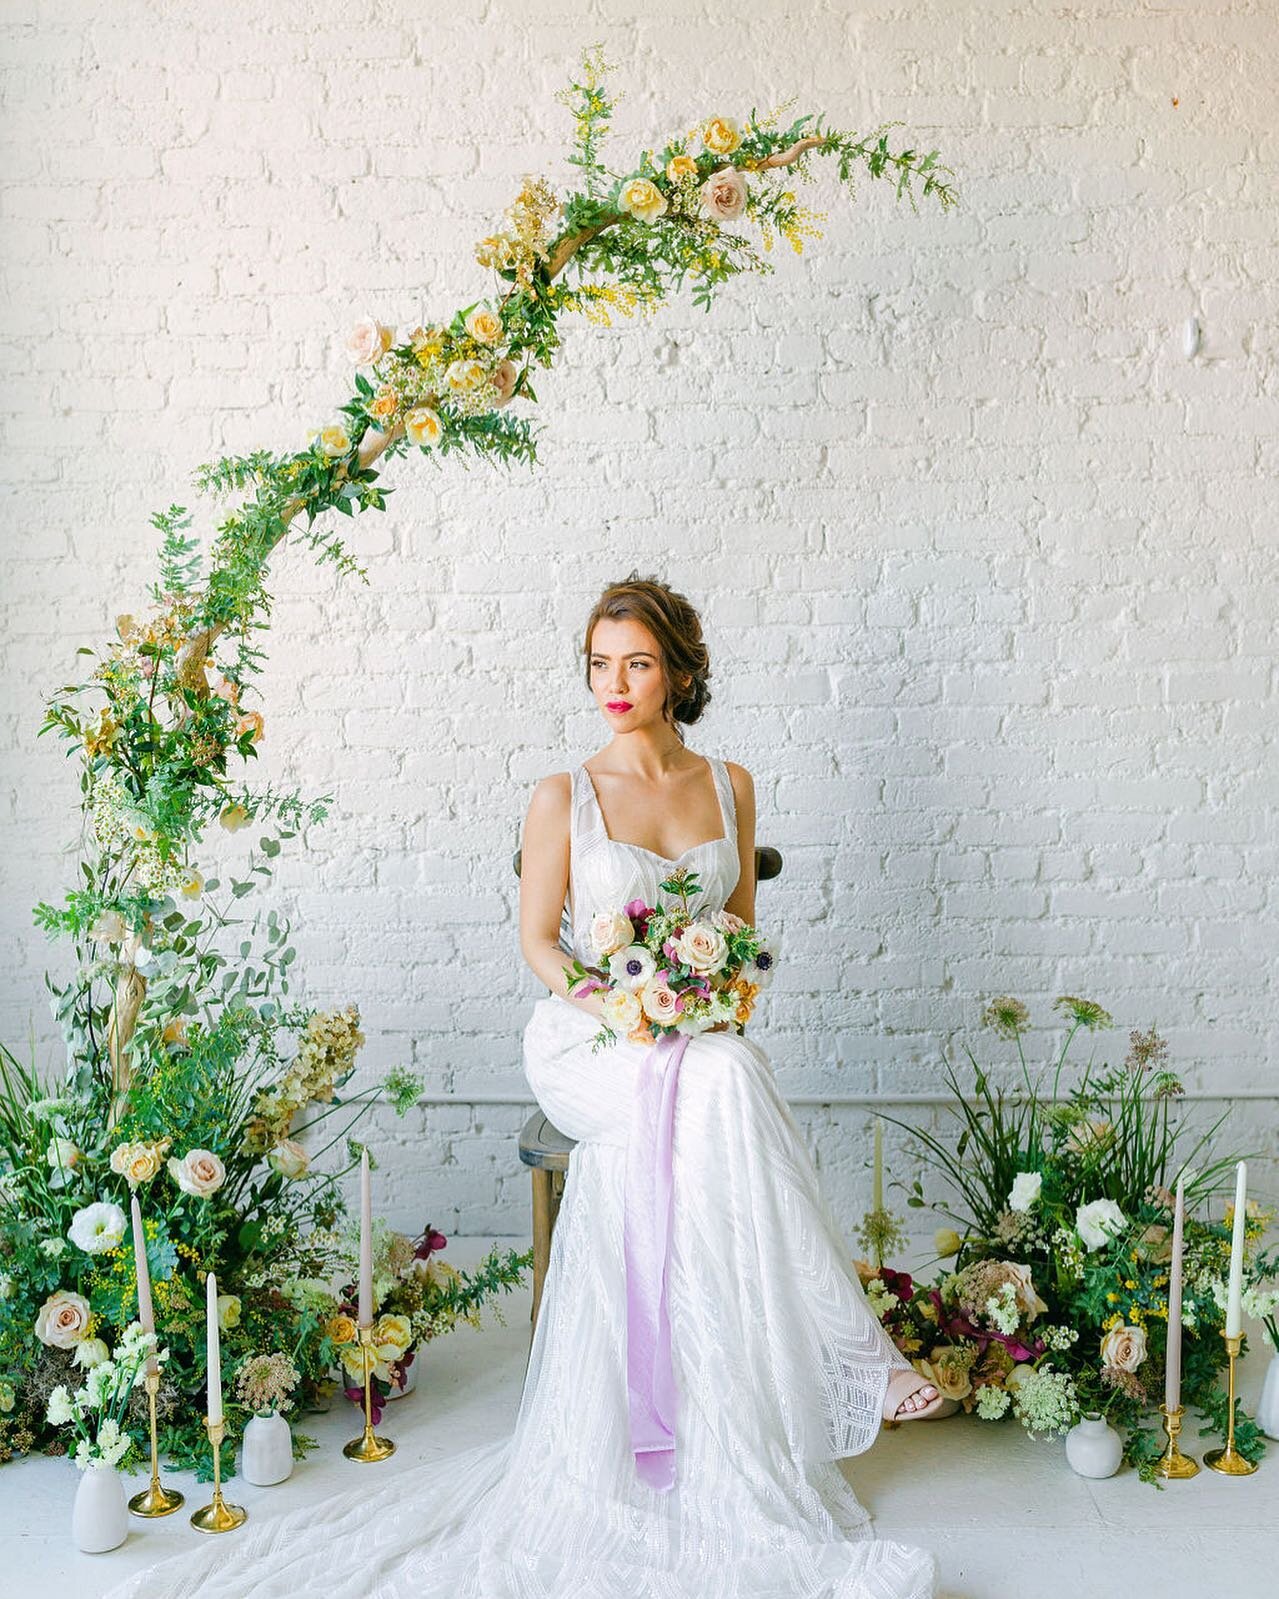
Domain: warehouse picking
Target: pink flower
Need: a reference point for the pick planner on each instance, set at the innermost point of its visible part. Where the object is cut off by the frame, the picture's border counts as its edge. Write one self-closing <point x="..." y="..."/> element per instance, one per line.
<point x="504" y="379"/>
<point x="724" y="195"/>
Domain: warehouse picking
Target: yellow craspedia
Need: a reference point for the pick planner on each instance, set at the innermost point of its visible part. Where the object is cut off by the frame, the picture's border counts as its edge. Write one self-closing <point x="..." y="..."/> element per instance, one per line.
<point x="721" y="135"/>
<point x="642" y="199"/>
<point x="423" y="426"/>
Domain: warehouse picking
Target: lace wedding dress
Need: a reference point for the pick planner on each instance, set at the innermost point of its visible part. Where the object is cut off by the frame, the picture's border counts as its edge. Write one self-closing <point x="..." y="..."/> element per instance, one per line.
<point x="780" y="1364"/>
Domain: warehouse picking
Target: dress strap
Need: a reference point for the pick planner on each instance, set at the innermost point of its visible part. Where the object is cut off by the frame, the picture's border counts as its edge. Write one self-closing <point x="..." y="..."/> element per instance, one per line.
<point x="727" y="799"/>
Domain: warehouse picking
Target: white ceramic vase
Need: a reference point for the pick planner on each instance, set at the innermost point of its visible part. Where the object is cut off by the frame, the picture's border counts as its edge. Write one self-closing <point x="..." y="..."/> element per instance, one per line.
<point x="1268" y="1405"/>
<point x="266" y="1455"/>
<point x="100" y="1515"/>
<point x="1093" y="1447"/>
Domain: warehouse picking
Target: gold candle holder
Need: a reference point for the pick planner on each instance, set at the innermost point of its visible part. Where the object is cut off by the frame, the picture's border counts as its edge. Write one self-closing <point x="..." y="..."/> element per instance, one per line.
<point x="156" y="1500"/>
<point x="217" y="1515"/>
<point x="368" y="1446"/>
<point x="1229" y="1460"/>
<point x="1173" y="1463"/>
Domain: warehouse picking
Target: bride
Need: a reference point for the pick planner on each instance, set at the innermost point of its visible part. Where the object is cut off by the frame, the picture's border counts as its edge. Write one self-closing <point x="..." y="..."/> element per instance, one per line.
<point x="779" y="1366"/>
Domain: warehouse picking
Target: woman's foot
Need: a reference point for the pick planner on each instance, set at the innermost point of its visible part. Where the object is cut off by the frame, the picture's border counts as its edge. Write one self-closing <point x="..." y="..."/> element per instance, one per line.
<point x="910" y="1397"/>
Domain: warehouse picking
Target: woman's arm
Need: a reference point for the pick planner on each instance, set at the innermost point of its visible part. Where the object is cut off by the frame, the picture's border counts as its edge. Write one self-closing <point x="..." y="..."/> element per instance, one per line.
<point x="742" y="900"/>
<point x="544" y="869"/>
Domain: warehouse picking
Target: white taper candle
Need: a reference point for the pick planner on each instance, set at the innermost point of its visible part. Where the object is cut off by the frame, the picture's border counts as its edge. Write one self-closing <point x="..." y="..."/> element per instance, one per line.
<point x="1172" y="1367"/>
<point x="146" y="1314"/>
<point x="366" y="1244"/>
<point x="1234" y="1293"/>
<point x="877" y="1187"/>
<point x="213" y="1349"/>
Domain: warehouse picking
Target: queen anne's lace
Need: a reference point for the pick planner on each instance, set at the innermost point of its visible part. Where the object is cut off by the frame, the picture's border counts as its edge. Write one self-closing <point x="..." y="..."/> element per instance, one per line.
<point x="780" y="1363"/>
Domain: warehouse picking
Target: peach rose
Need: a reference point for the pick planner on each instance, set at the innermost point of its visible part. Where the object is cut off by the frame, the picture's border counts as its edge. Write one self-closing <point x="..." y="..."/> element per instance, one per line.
<point x="724" y="195"/>
<point x="423" y="425"/>
<point x="1155" y="1244"/>
<point x="947" y="1370"/>
<point x="505" y="375"/>
<point x="342" y="1329"/>
<point x="63" y="1319"/>
<point x="641" y="199"/>
<point x="1028" y="1300"/>
<point x="701" y="948"/>
<point x="383" y="404"/>
<point x="199" y="1173"/>
<point x="721" y="135"/>
<point x="137" y="1163"/>
<point x="368" y="341"/>
<point x="658" y="1000"/>
<point x="1124" y="1347"/>
<point x="250" y="722"/>
<point x="727" y="921"/>
<point x="484" y="325"/>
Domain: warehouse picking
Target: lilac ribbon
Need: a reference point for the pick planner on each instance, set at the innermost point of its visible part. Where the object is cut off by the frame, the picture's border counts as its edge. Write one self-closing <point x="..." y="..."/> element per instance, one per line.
<point x="646" y="1231"/>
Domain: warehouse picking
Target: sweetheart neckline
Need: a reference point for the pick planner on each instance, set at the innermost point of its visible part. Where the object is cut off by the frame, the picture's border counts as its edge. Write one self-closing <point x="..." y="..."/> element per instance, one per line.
<point x="666" y="860"/>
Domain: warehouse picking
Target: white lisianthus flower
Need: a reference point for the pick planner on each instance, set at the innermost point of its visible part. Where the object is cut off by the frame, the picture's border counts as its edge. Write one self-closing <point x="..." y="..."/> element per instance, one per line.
<point x="631" y="967"/>
<point x="610" y="931"/>
<point x="701" y="948"/>
<point x="90" y="1352"/>
<point x="621" y="1010"/>
<point x="97" y="1228"/>
<point x="1025" y="1190"/>
<point x="1098" y="1222"/>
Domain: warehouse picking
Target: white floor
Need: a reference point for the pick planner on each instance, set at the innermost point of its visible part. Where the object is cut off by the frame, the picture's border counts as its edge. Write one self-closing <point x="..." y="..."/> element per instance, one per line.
<point x="1005" y="1516"/>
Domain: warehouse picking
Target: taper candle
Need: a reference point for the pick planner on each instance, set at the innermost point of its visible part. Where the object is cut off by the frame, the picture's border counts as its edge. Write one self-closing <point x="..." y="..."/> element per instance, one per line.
<point x="1172" y="1366"/>
<point x="366" y="1244"/>
<point x="1234" y="1293"/>
<point x="877" y="1190"/>
<point x="214" y="1351"/>
<point x="145" y="1313"/>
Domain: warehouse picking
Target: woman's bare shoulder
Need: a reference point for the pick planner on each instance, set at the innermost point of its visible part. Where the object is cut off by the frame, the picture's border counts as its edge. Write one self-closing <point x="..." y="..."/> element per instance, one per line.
<point x="552" y="796"/>
<point x="742" y="781"/>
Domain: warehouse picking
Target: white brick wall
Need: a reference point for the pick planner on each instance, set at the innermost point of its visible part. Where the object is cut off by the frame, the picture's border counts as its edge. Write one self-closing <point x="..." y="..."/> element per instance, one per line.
<point x="987" y="563"/>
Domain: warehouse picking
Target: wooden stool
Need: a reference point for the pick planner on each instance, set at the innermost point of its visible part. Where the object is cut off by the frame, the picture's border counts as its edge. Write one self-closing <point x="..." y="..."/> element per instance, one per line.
<point x="545" y="1150"/>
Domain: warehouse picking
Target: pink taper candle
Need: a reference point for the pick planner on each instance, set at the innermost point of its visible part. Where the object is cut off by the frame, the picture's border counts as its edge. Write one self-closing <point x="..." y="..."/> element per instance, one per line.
<point x="213" y="1349"/>
<point x="1234" y="1290"/>
<point x="145" y="1313"/>
<point x="1172" y="1369"/>
<point x="366" y="1244"/>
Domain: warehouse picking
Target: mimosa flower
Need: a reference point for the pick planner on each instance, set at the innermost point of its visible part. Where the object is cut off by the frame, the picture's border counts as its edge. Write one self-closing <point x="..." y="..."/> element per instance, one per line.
<point x="642" y="199"/>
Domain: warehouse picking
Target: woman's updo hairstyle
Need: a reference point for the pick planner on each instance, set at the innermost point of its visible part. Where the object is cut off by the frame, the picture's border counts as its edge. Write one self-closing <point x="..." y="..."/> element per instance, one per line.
<point x="676" y="626"/>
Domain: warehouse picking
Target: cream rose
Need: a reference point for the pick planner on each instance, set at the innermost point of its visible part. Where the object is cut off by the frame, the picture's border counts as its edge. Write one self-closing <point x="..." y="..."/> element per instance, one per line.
<point x="1124" y="1347"/>
<point x="228" y="1311"/>
<point x="199" y="1172"/>
<point x="423" y="425"/>
<point x="621" y="1010"/>
<point x="727" y="921"/>
<point x="722" y="135"/>
<point x="234" y="818"/>
<point x="641" y="199"/>
<point x="464" y="375"/>
<point x="701" y="948"/>
<point x="368" y="341"/>
<point x="484" y="325"/>
<point x="947" y="1370"/>
<point x="392" y="1336"/>
<point x="505" y="376"/>
<point x="334" y="440"/>
<point x="137" y="1163"/>
<point x="63" y="1319"/>
<point x="724" y="195"/>
<point x="659" y="1004"/>
<point x="609" y="931"/>
<point x="63" y="1154"/>
<point x="289" y="1158"/>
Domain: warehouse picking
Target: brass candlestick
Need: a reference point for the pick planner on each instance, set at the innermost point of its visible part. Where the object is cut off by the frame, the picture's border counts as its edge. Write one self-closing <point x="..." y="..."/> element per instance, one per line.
<point x="217" y="1515"/>
<point x="1173" y="1463"/>
<point x="368" y="1446"/>
<point x="1229" y="1460"/>
<point x="155" y="1500"/>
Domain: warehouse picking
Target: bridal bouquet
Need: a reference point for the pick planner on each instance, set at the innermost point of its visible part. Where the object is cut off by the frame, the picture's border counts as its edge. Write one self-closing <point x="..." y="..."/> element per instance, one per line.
<point x="665" y="970"/>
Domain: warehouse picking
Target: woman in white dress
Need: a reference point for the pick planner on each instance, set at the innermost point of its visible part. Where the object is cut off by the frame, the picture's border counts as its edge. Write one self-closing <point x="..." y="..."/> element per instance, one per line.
<point x="780" y="1366"/>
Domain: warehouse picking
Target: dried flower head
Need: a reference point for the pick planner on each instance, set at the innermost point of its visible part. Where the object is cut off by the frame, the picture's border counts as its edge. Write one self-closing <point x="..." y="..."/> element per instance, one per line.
<point x="1146" y="1051"/>
<point x="1007" y="1016"/>
<point x="1125" y="1381"/>
<point x="1083" y="1012"/>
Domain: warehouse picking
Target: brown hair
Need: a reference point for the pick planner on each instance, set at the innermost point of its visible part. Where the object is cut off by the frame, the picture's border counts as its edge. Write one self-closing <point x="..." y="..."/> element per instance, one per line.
<point x="676" y="626"/>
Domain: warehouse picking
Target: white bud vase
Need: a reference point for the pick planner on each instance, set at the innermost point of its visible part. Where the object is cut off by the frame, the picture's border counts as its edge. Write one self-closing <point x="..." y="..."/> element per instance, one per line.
<point x="1093" y="1447"/>
<point x="100" y="1516"/>
<point x="266" y="1455"/>
<point x="1268" y="1405"/>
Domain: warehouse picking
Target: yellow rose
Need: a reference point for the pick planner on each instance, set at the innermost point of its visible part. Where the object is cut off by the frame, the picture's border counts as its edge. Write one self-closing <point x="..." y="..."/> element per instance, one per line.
<point x="464" y="375"/>
<point x="392" y="1336"/>
<point x="641" y="199"/>
<point x="228" y="1311"/>
<point x="334" y="440"/>
<point x="342" y="1329"/>
<point x="383" y="404"/>
<point x="137" y="1163"/>
<point x="234" y="818"/>
<point x="193" y="887"/>
<point x="946" y="1241"/>
<point x="423" y="425"/>
<point x="721" y="135"/>
<point x="681" y="166"/>
<point x="484" y="325"/>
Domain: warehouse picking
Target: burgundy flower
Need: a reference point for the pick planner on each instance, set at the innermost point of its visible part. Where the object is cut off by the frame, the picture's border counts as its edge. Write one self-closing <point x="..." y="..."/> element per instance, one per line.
<point x="429" y="1243"/>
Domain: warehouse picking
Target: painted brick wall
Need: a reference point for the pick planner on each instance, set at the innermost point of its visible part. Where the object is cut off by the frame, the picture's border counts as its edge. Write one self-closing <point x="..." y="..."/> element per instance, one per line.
<point x="985" y="557"/>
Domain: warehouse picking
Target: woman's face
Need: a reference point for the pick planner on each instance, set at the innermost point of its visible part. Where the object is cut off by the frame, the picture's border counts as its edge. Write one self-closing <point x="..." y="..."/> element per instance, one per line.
<point x="627" y="679"/>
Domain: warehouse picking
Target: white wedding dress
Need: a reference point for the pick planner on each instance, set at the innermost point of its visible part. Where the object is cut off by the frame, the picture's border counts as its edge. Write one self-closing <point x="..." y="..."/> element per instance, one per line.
<point x="781" y="1366"/>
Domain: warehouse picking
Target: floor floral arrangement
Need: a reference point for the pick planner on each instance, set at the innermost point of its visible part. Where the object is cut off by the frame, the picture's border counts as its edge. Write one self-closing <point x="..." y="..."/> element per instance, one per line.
<point x="1057" y="1302"/>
